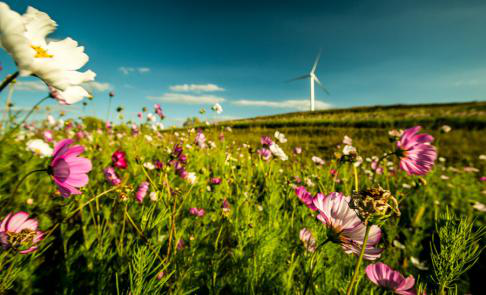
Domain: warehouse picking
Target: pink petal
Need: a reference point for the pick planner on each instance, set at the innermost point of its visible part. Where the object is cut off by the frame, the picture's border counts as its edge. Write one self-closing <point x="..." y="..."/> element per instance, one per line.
<point x="61" y="147"/>
<point x="16" y="222"/>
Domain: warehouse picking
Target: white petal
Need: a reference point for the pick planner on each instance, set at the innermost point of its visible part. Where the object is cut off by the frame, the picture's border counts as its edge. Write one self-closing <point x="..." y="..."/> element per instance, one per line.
<point x="67" y="55"/>
<point x="38" y="25"/>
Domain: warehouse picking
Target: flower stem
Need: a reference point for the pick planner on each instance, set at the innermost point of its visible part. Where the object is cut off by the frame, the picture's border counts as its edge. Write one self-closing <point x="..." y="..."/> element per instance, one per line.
<point x="25" y="118"/>
<point x="356" y="183"/>
<point x="23" y="179"/>
<point x="309" y="278"/>
<point x="358" y="264"/>
<point x="8" y="80"/>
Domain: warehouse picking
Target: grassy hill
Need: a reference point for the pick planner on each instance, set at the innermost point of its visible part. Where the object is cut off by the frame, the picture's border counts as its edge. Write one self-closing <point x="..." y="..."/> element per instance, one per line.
<point x="320" y="131"/>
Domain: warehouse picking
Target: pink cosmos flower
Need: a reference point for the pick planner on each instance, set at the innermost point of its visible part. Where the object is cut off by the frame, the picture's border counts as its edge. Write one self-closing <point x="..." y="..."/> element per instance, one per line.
<point x="308" y="239"/>
<point x="140" y="115"/>
<point x="111" y="176"/>
<point x="216" y="180"/>
<point x="19" y="232"/>
<point x="199" y="212"/>
<point x="134" y="129"/>
<point x="417" y="155"/>
<point x="305" y="197"/>
<point x="200" y="140"/>
<point x="68" y="170"/>
<point x="383" y="275"/>
<point x="266" y="140"/>
<point x="118" y="159"/>
<point x="226" y="206"/>
<point x="348" y="229"/>
<point x="48" y="136"/>
<point x="142" y="191"/>
<point x="265" y="154"/>
<point x="297" y="150"/>
<point x="483" y="178"/>
<point x="317" y="160"/>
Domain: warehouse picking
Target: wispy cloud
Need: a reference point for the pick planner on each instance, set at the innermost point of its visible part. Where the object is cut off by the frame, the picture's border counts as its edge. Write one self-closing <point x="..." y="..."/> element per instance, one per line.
<point x="301" y="105"/>
<point x="30" y="86"/>
<point x="97" y="86"/>
<point x="196" y="88"/>
<point x="128" y="70"/>
<point x="187" y="98"/>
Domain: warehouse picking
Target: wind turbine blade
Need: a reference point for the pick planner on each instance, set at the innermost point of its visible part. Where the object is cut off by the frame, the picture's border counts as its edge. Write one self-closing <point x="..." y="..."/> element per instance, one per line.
<point x="316" y="62"/>
<point x="322" y="86"/>
<point x="298" y="78"/>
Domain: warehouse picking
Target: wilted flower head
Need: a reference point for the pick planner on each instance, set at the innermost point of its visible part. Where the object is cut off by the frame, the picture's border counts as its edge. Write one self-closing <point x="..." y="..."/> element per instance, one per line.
<point x="39" y="147"/>
<point x="19" y="232"/>
<point x="383" y="275"/>
<point x="347" y="228"/>
<point x="416" y="154"/>
<point x="375" y="205"/>
<point x="308" y="239"/>
<point x="68" y="170"/>
<point x="142" y="191"/>
<point x="118" y="160"/>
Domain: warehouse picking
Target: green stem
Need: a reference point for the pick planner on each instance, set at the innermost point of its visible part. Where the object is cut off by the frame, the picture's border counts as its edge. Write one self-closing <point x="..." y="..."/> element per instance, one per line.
<point x="23" y="179"/>
<point x="309" y="278"/>
<point x="356" y="183"/>
<point x="8" y="80"/>
<point x="358" y="264"/>
<point x="25" y="119"/>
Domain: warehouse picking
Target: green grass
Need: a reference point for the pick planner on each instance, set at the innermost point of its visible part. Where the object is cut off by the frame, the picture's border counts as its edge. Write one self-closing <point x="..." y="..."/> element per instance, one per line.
<point x="255" y="248"/>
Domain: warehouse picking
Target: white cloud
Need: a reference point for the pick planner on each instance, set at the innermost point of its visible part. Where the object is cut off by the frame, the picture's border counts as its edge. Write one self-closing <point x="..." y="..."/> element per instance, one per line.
<point x="30" y="86"/>
<point x="128" y="70"/>
<point x="143" y="70"/>
<point x="301" y="105"/>
<point x="97" y="86"/>
<point x="196" y="87"/>
<point x="187" y="98"/>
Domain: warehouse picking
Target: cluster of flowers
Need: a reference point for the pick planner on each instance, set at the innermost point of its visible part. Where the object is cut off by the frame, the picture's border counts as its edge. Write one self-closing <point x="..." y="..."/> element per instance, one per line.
<point x="352" y="220"/>
<point x="69" y="173"/>
<point x="270" y="148"/>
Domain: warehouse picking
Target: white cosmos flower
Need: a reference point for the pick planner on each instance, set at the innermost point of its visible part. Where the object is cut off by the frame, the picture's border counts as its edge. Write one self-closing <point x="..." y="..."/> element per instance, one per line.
<point x="278" y="152"/>
<point x="191" y="177"/>
<point x="54" y="62"/>
<point x="217" y="108"/>
<point x="280" y="137"/>
<point x="39" y="147"/>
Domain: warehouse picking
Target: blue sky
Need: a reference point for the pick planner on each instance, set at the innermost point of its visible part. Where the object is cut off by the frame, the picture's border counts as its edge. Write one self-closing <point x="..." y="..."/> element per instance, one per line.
<point x="373" y="52"/>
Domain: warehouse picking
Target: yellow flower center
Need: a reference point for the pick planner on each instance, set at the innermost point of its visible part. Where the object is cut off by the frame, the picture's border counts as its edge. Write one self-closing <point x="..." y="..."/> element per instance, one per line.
<point x="41" y="52"/>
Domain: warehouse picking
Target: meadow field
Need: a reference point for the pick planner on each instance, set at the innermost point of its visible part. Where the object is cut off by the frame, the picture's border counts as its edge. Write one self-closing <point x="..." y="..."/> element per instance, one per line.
<point x="219" y="210"/>
<point x="366" y="200"/>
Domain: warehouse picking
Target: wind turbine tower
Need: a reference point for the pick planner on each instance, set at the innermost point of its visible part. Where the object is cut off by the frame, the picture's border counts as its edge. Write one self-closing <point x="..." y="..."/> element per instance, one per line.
<point x="312" y="78"/>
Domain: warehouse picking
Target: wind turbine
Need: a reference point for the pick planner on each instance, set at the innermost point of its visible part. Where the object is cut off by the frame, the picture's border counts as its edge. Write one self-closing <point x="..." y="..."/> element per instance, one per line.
<point x="313" y="78"/>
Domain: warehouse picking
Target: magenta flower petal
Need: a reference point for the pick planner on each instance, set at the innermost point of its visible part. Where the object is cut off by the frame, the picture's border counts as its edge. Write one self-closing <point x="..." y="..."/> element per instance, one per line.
<point x="20" y="232"/>
<point x="417" y="155"/>
<point x="68" y="170"/>
<point x="383" y="275"/>
<point x="16" y="222"/>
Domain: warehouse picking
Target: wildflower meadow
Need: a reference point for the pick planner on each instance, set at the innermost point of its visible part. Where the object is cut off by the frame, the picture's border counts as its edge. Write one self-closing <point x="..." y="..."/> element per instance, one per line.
<point x="93" y="206"/>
